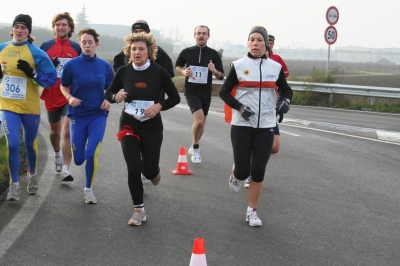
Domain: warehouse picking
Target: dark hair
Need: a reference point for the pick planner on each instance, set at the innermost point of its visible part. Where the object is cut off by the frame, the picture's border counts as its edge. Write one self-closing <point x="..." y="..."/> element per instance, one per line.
<point x="90" y="32"/>
<point x="70" y="20"/>
<point x="271" y="38"/>
<point x="202" y="26"/>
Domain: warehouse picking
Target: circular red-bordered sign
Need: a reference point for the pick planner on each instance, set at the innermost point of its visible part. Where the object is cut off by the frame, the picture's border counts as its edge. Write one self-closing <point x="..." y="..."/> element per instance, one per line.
<point x="331" y="35"/>
<point x="332" y="15"/>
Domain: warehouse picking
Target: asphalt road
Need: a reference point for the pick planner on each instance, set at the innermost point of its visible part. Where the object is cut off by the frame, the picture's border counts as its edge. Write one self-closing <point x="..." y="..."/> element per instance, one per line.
<point x="329" y="199"/>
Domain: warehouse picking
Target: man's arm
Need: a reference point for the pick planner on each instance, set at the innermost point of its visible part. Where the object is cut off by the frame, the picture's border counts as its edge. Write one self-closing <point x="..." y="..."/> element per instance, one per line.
<point x="119" y="61"/>
<point x="165" y="61"/>
<point x="219" y="68"/>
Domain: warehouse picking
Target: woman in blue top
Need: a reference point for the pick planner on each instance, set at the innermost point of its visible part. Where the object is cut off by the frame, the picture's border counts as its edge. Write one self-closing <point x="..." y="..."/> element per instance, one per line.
<point x="88" y="77"/>
<point x="23" y="67"/>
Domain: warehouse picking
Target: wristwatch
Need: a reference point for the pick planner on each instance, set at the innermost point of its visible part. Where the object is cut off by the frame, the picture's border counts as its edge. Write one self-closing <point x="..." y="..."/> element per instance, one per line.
<point x="113" y="97"/>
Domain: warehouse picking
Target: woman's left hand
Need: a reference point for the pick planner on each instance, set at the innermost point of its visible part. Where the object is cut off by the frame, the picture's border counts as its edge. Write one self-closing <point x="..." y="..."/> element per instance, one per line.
<point x="105" y="105"/>
<point x="153" y="110"/>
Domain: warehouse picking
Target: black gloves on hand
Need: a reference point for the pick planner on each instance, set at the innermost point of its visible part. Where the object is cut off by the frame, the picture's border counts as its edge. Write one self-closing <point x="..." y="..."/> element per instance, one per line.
<point x="246" y="112"/>
<point x="26" y="68"/>
<point x="1" y="73"/>
<point x="280" y="116"/>
<point x="283" y="106"/>
<point x="55" y="61"/>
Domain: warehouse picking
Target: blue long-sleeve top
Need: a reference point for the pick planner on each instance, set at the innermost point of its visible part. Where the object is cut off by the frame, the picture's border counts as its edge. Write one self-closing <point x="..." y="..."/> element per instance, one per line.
<point x="88" y="77"/>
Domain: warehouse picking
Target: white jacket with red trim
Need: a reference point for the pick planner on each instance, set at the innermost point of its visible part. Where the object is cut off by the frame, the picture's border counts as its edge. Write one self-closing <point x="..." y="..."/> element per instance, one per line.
<point x="256" y="89"/>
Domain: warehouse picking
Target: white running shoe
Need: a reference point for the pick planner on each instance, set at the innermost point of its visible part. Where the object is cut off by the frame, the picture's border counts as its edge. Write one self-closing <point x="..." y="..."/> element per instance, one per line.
<point x="234" y="184"/>
<point x="195" y="155"/>
<point x="13" y="192"/>
<point x="248" y="181"/>
<point x="89" y="197"/>
<point x="32" y="184"/>
<point x="138" y="217"/>
<point x="58" y="163"/>
<point x="66" y="174"/>
<point x="253" y="219"/>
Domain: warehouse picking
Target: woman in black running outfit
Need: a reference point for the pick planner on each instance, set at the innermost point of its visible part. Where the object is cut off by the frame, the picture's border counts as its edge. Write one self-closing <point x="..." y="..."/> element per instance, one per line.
<point x="141" y="127"/>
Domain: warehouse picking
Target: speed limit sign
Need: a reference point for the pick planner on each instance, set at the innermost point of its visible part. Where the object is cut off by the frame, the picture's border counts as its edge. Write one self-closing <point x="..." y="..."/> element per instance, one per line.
<point x="331" y="35"/>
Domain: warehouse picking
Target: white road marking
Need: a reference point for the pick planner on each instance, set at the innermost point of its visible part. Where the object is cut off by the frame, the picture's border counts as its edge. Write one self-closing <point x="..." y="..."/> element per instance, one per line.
<point x="344" y="134"/>
<point x="289" y="133"/>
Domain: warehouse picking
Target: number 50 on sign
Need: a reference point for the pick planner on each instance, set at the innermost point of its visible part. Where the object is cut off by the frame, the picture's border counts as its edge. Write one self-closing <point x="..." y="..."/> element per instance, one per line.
<point x="331" y="35"/>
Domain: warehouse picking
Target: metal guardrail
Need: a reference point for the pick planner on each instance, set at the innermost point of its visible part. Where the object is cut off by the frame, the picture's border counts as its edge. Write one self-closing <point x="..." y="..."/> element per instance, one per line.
<point x="367" y="91"/>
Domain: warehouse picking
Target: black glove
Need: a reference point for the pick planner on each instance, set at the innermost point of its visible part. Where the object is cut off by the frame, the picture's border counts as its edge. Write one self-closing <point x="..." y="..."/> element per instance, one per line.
<point x="55" y="61"/>
<point x="1" y="73"/>
<point x="283" y="106"/>
<point x="280" y="116"/>
<point x="246" y="112"/>
<point x="26" y="68"/>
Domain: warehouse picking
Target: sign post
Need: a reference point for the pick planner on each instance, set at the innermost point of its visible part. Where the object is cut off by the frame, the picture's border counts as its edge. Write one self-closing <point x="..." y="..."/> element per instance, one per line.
<point x="332" y="17"/>
<point x="330" y="38"/>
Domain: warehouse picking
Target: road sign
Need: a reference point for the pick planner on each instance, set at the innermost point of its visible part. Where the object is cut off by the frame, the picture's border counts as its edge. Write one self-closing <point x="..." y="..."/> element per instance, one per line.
<point x="332" y="15"/>
<point x="331" y="35"/>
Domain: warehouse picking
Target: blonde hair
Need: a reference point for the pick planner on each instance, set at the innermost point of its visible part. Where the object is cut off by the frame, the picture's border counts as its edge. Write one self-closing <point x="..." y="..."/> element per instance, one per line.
<point x="147" y="38"/>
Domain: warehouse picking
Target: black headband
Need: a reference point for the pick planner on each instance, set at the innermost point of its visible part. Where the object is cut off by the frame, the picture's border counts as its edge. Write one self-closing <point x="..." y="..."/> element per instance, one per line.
<point x="142" y="26"/>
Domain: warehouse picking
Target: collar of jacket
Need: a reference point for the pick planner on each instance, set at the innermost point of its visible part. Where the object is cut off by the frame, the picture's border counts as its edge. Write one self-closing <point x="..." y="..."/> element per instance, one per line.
<point x="20" y="43"/>
<point x="88" y="58"/>
<point x="253" y="57"/>
<point x="61" y="41"/>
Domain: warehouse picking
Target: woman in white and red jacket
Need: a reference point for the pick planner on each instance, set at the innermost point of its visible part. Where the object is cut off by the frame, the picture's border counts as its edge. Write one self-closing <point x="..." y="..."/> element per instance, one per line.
<point x="249" y="94"/>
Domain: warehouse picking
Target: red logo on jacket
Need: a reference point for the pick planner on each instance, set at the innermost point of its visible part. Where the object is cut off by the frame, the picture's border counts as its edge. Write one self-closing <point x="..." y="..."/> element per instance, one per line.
<point x="141" y="85"/>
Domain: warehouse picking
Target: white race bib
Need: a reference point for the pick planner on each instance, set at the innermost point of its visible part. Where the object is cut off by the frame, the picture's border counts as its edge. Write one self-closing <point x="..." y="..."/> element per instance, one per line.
<point x="61" y="66"/>
<point x="199" y="74"/>
<point x="136" y="109"/>
<point x="13" y="87"/>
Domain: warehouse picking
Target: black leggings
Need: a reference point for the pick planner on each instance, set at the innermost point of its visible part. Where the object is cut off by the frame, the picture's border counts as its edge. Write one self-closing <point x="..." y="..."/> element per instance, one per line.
<point x="148" y="149"/>
<point x="247" y="141"/>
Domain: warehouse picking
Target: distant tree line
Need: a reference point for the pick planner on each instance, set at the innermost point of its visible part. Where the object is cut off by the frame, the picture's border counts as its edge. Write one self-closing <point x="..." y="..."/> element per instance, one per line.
<point x="108" y="44"/>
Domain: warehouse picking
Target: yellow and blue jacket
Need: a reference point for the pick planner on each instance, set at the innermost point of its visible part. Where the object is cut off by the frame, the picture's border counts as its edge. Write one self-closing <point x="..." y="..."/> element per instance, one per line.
<point x="27" y="101"/>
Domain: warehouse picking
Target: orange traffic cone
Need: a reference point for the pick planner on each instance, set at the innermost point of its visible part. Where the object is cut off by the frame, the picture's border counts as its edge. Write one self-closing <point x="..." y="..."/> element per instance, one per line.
<point x="199" y="253"/>
<point x="182" y="167"/>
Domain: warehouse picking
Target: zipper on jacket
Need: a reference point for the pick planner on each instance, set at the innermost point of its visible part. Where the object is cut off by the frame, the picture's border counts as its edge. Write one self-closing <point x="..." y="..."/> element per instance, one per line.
<point x="200" y="56"/>
<point x="259" y="97"/>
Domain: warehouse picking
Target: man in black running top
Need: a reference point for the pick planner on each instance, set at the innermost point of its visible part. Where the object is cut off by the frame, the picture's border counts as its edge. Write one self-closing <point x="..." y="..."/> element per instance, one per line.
<point x="162" y="59"/>
<point x="198" y="63"/>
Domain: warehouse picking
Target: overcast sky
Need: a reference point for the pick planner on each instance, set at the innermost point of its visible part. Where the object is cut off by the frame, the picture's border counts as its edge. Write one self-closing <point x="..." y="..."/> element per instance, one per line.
<point x="295" y="23"/>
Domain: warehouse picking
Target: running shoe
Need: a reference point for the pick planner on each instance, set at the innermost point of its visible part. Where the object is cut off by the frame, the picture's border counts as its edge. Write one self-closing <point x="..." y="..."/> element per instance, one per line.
<point x="138" y="217"/>
<point x="89" y="197"/>
<point x="156" y="181"/>
<point x="248" y="181"/>
<point x="32" y="183"/>
<point x="66" y="174"/>
<point x="234" y="184"/>
<point x="253" y="219"/>
<point x="58" y="161"/>
<point x="195" y="155"/>
<point x="13" y="192"/>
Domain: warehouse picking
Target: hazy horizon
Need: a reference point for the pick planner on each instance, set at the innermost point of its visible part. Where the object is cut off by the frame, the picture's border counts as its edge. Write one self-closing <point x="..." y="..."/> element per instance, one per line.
<point x="295" y="24"/>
